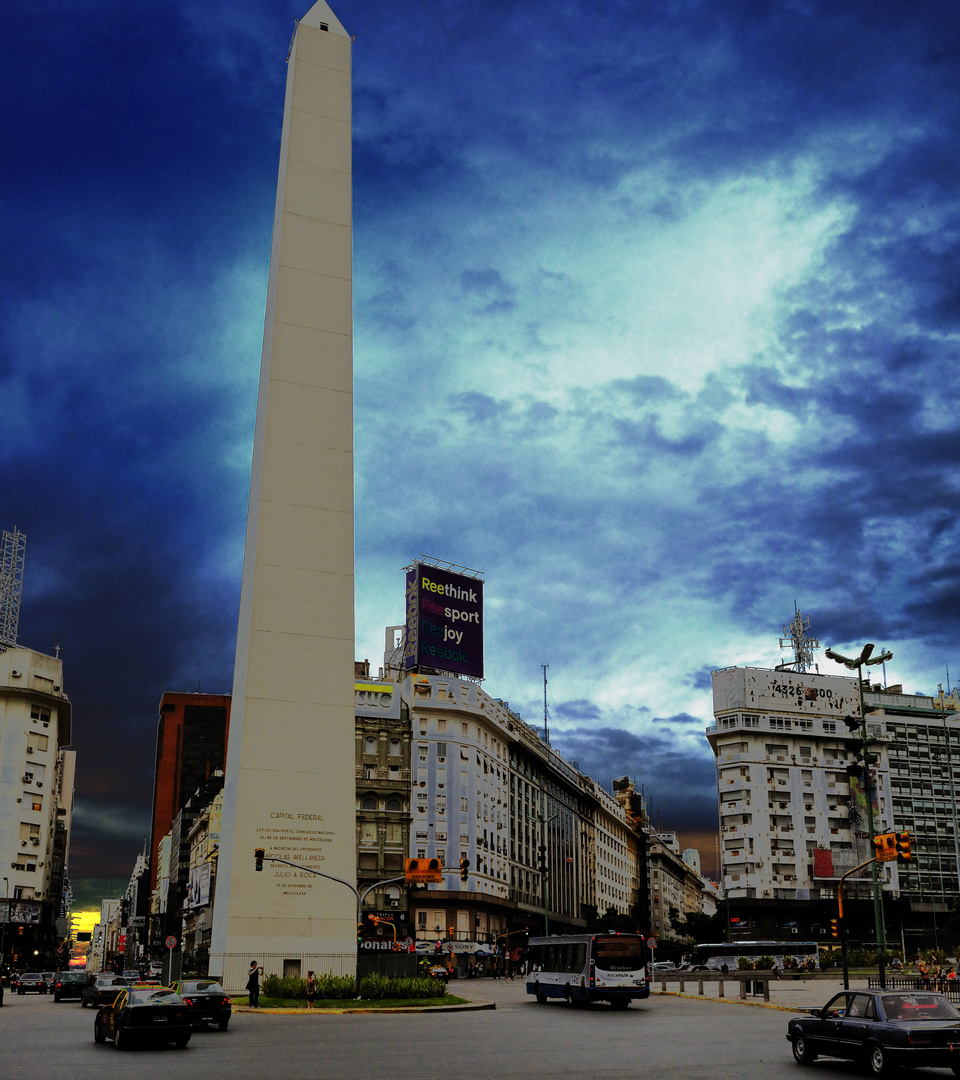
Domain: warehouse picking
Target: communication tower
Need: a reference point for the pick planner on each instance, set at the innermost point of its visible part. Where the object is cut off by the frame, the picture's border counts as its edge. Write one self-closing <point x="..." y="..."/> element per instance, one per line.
<point x="802" y="645"/>
<point x="12" y="545"/>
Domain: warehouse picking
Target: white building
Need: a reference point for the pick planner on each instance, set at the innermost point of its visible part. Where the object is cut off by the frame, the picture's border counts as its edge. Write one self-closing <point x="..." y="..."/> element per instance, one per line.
<point x="36" y="794"/>
<point x="792" y="808"/>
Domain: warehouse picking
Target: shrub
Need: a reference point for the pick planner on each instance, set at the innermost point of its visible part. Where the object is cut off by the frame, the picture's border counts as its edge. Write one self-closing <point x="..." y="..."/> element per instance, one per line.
<point x="342" y="987"/>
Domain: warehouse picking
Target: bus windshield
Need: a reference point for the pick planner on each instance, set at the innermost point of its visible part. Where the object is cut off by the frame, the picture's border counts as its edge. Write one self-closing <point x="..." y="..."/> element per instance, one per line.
<point x="618" y="953"/>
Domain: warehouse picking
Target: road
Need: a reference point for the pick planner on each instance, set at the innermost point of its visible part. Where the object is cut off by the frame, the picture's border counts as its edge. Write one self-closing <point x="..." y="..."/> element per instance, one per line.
<point x="666" y="1037"/>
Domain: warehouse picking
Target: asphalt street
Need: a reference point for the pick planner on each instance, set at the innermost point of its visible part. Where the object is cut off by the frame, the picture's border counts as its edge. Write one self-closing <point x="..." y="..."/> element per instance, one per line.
<point x="668" y="1036"/>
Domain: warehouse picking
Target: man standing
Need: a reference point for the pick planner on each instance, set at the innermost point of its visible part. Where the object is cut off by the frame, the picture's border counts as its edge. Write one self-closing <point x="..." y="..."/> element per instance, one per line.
<point x="253" y="985"/>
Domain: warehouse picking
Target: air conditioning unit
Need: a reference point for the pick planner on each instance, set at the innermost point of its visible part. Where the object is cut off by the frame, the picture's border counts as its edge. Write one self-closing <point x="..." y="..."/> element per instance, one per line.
<point x="30" y="750"/>
<point x="23" y="843"/>
<point x="39" y="784"/>
<point x="36" y="841"/>
<point x="27" y="777"/>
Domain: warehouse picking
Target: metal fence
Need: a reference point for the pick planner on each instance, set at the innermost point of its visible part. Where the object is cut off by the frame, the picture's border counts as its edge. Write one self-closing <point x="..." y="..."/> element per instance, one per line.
<point x="948" y="987"/>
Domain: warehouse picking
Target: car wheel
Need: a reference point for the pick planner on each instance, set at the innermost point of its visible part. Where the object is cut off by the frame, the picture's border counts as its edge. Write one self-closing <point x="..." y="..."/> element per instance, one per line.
<point x="222" y="1024"/>
<point x="83" y="1003"/>
<point x="540" y="996"/>
<point x="56" y="999"/>
<point x="802" y="1053"/>
<point x="879" y="1061"/>
<point x="120" y="1040"/>
<point x="98" y="1035"/>
<point x="182" y="1041"/>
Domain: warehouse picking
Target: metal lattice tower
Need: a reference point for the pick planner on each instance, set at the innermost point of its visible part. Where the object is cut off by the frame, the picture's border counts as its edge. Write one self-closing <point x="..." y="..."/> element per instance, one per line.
<point x="802" y="645"/>
<point x="12" y="546"/>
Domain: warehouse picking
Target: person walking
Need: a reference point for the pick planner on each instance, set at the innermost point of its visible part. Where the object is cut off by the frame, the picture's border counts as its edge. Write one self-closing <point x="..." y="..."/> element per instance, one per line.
<point x="253" y="985"/>
<point x="311" y="989"/>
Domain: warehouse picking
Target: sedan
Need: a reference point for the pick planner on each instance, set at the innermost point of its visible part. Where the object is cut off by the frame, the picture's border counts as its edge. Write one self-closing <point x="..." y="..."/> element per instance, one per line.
<point x="208" y="1002"/>
<point x="884" y="1029"/>
<point x="102" y="991"/>
<point x="151" y="1014"/>
<point x="31" y="982"/>
<point x="68" y="984"/>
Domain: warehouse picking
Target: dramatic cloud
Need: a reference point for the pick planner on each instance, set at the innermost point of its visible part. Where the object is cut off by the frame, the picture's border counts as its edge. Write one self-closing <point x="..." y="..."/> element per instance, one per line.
<point x="656" y="325"/>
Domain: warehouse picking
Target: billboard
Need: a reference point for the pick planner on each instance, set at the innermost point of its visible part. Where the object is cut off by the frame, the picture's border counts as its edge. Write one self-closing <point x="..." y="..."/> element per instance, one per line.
<point x="376" y="699"/>
<point x="444" y="621"/>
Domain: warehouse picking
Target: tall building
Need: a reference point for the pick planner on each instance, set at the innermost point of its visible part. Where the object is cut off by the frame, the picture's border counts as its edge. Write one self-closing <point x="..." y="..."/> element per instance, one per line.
<point x="290" y="762"/>
<point x="191" y="746"/>
<point x="792" y="799"/>
<point x="36" y="799"/>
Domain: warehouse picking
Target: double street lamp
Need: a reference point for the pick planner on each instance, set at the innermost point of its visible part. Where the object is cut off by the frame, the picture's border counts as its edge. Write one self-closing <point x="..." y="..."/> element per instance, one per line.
<point x="867" y="659"/>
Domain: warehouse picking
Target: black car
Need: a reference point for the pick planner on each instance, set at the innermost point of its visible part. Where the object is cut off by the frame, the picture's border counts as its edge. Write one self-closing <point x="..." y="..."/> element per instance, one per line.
<point x="883" y="1028"/>
<point x="208" y="1002"/>
<point x="31" y="982"/>
<point x="144" y="1014"/>
<point x="68" y="984"/>
<point x="102" y="991"/>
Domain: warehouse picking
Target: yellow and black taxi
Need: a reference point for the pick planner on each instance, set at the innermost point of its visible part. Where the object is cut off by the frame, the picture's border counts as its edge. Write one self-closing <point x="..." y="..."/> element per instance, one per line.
<point x="883" y="1029"/>
<point x="207" y="1000"/>
<point x="141" y="1014"/>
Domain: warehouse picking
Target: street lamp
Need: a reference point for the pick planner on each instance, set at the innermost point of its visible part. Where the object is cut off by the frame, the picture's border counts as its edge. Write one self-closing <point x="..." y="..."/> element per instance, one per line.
<point x="867" y="659"/>
<point x="6" y="916"/>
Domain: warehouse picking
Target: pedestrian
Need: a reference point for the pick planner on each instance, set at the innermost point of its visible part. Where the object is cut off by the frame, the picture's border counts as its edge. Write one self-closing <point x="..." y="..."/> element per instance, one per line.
<point x="311" y="989"/>
<point x="253" y="985"/>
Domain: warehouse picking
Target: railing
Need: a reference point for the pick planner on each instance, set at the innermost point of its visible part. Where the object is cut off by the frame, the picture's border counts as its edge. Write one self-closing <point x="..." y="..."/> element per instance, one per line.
<point x="950" y="988"/>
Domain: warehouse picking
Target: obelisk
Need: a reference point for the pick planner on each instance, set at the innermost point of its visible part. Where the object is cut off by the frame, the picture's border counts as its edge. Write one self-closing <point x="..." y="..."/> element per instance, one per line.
<point x="289" y="784"/>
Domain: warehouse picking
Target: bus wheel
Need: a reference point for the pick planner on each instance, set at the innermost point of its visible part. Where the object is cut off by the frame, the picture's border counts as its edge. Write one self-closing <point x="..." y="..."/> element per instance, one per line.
<point x="620" y="1002"/>
<point x="541" y="997"/>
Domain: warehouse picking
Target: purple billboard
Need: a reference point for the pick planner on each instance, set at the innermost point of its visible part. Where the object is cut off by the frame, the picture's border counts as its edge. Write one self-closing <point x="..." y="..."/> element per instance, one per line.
<point x="444" y="621"/>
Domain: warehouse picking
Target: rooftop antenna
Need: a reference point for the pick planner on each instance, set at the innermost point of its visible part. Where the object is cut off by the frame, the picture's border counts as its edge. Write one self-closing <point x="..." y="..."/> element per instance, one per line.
<point x="796" y="638"/>
<point x="12" y="545"/>
<point x="546" y="721"/>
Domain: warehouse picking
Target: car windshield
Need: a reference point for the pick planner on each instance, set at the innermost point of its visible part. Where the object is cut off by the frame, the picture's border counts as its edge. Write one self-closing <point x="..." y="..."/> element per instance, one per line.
<point x="154" y="996"/>
<point x="201" y="986"/>
<point x="918" y="1007"/>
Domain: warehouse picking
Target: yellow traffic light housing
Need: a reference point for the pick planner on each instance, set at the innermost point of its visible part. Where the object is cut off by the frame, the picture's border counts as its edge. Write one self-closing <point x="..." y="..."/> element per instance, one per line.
<point x="903" y="846"/>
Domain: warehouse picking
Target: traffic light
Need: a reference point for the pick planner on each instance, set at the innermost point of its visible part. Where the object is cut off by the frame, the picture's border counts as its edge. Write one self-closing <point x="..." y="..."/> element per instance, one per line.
<point x="834" y="928"/>
<point x="885" y="847"/>
<point x="903" y="845"/>
<point x="464" y="869"/>
<point x="258" y="854"/>
<point x="359" y="933"/>
<point x="543" y="859"/>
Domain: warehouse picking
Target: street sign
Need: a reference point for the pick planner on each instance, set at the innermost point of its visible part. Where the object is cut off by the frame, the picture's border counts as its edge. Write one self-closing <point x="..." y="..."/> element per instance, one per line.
<point x="423" y="871"/>
<point x="651" y="942"/>
<point x="171" y="942"/>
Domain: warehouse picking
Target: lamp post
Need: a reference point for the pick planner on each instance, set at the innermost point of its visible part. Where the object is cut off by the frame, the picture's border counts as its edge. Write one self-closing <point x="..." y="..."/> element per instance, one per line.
<point x="6" y="916"/>
<point x="866" y="659"/>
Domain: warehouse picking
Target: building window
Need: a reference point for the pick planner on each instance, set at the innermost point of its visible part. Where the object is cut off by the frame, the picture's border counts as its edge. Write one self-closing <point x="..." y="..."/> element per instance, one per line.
<point x="369" y="803"/>
<point x="393" y="805"/>
<point x="370" y="745"/>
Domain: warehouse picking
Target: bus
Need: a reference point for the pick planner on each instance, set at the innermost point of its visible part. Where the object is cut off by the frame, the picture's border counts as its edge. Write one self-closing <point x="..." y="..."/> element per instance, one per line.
<point x="713" y="957"/>
<point x="589" y="967"/>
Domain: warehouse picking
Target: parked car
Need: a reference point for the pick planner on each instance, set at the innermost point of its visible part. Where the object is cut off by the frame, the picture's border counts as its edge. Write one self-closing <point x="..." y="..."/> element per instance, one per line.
<point x="102" y="991"/>
<point x="664" y="966"/>
<point x="207" y="1000"/>
<point x="438" y="971"/>
<point x="68" y="984"/>
<point x="885" y="1029"/>
<point x="147" y="1014"/>
<point x="31" y="982"/>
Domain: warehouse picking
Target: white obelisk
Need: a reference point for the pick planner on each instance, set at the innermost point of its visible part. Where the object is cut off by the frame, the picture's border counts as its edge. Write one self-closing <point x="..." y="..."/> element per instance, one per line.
<point x="290" y="760"/>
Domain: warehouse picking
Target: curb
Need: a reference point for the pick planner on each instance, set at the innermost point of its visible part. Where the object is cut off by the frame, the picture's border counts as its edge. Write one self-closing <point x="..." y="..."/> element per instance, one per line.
<point x="478" y="1006"/>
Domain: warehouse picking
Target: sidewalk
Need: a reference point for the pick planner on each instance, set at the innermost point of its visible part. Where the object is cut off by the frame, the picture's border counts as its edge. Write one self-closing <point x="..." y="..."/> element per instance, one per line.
<point x="786" y="993"/>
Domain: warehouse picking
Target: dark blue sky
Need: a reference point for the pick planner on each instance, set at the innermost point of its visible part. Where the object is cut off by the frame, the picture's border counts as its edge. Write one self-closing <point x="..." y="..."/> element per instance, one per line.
<point x="657" y="314"/>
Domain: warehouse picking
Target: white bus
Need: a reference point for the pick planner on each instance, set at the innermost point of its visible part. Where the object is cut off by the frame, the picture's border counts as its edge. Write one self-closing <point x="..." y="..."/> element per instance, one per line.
<point x="713" y="957"/>
<point x="589" y="967"/>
